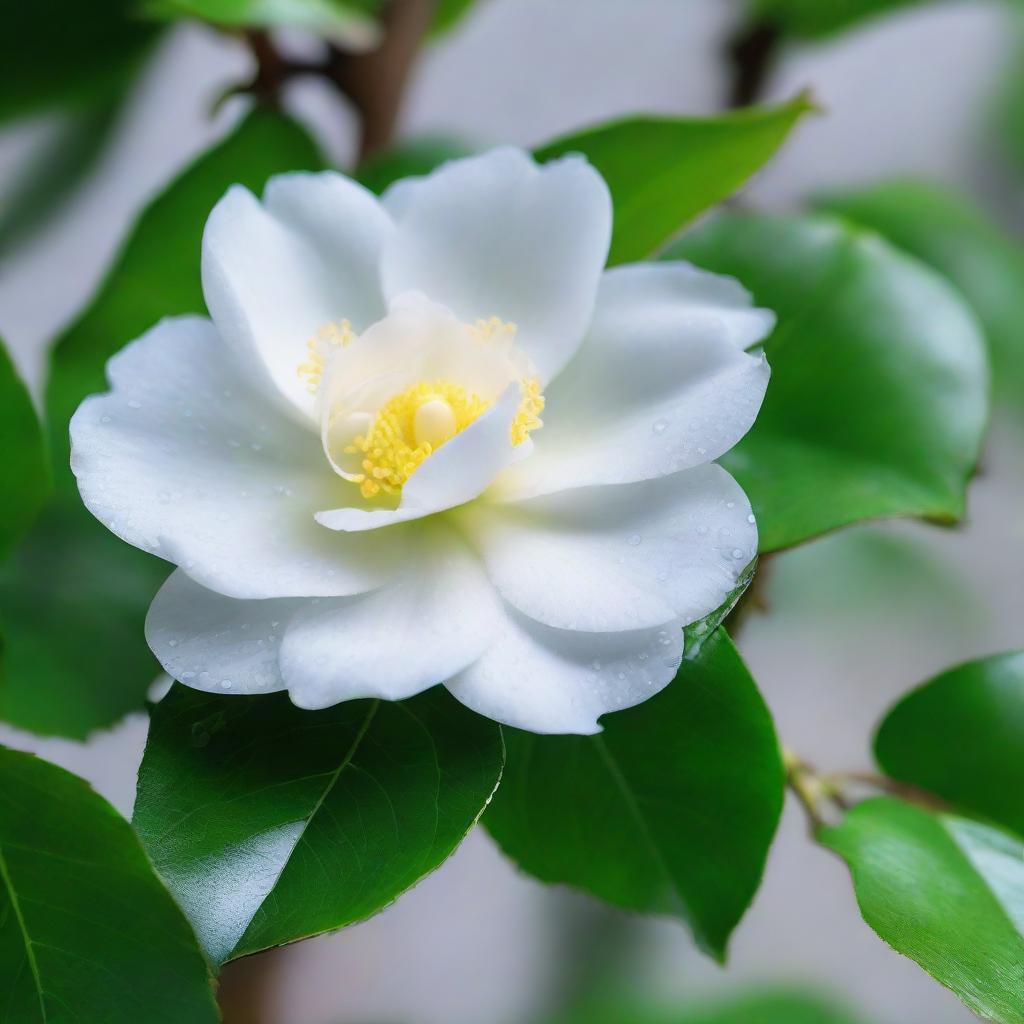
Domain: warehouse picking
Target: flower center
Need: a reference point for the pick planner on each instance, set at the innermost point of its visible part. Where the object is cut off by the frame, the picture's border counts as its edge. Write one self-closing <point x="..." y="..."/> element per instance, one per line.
<point x="418" y="421"/>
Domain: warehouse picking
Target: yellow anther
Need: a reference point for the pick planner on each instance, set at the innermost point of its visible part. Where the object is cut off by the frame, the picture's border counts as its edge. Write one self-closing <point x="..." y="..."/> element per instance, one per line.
<point x="319" y="347"/>
<point x="491" y="328"/>
<point x="418" y="421"/>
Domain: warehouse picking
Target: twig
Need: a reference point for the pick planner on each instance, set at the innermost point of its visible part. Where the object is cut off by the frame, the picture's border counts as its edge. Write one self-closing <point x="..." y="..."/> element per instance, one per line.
<point x="752" y="53"/>
<point x="374" y="82"/>
<point x="894" y="787"/>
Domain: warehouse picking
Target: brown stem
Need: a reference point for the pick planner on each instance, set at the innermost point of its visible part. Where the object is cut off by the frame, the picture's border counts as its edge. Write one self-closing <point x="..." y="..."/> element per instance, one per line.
<point x="806" y="787"/>
<point x="752" y="54"/>
<point x="904" y="790"/>
<point x="375" y="81"/>
<point x="245" y="987"/>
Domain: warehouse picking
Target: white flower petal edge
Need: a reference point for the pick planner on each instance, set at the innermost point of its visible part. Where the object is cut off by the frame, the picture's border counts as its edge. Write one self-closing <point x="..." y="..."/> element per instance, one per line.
<point x="277" y="271"/>
<point x="185" y="459"/>
<point x="326" y="650"/>
<point x="560" y="681"/>
<point x="661" y="383"/>
<point x="498" y="235"/>
<point x="605" y="559"/>
<point x="420" y="630"/>
<point x="217" y="643"/>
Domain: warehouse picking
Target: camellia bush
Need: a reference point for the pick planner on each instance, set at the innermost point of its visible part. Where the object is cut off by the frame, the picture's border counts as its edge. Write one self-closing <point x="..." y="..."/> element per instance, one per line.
<point x="441" y="486"/>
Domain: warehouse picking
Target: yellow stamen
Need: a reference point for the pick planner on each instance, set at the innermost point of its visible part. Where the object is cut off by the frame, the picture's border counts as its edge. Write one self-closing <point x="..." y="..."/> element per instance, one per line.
<point x="418" y="421"/>
<point x="491" y="328"/>
<point x="319" y="348"/>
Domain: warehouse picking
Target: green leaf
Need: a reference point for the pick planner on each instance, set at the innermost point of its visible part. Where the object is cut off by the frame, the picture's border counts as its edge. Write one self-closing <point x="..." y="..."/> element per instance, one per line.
<point x="65" y="53"/>
<point x="670" y="810"/>
<point x="945" y="892"/>
<point x="24" y="470"/>
<point x="663" y="172"/>
<point x="448" y="14"/>
<point x="950" y="234"/>
<point x="811" y="19"/>
<point x="961" y="735"/>
<point x="87" y="932"/>
<point x="271" y="824"/>
<point x="878" y="398"/>
<point x="344" y="21"/>
<point x="409" y="159"/>
<point x="73" y="598"/>
<point x="772" y="1007"/>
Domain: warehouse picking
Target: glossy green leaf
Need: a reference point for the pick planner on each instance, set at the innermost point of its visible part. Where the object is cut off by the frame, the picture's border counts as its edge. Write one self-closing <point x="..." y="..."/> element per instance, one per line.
<point x="945" y="892"/>
<point x="24" y="470"/>
<point x="810" y="19"/>
<point x="65" y="53"/>
<point x="670" y="810"/>
<point x="351" y="21"/>
<point x="771" y="1007"/>
<point x="271" y="824"/>
<point x="74" y="597"/>
<point x="878" y="398"/>
<point x="409" y="159"/>
<point x="961" y="735"/>
<point x="950" y="234"/>
<point x="664" y="172"/>
<point x="88" y="934"/>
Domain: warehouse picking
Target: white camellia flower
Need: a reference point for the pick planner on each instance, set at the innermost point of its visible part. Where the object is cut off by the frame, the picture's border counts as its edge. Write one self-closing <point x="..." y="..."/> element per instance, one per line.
<point x="429" y="439"/>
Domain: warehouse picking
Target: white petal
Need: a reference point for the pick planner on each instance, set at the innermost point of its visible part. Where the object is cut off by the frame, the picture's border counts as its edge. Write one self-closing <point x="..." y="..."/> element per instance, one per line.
<point x="660" y="384"/>
<point x="217" y="643"/>
<point x="496" y="235"/>
<point x="276" y="272"/>
<point x="557" y="681"/>
<point x="456" y="473"/>
<point x="406" y="637"/>
<point x="183" y="458"/>
<point x="418" y="340"/>
<point x="622" y="557"/>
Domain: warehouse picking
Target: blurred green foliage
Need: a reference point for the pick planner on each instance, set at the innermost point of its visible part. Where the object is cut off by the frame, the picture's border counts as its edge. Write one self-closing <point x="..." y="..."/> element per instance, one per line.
<point x="73" y="598"/>
<point x="983" y="261"/>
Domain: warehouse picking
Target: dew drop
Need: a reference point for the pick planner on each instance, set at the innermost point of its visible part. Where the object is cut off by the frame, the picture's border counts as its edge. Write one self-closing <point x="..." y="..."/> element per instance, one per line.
<point x="634" y="540"/>
<point x="133" y="404"/>
<point x="226" y="684"/>
<point x="737" y="552"/>
<point x="659" y="426"/>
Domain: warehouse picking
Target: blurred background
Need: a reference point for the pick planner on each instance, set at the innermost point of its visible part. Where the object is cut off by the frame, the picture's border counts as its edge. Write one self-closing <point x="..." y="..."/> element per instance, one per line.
<point x="851" y="621"/>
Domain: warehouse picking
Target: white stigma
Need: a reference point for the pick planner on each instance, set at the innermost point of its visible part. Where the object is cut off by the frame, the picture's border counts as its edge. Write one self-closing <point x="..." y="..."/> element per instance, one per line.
<point x="434" y="423"/>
